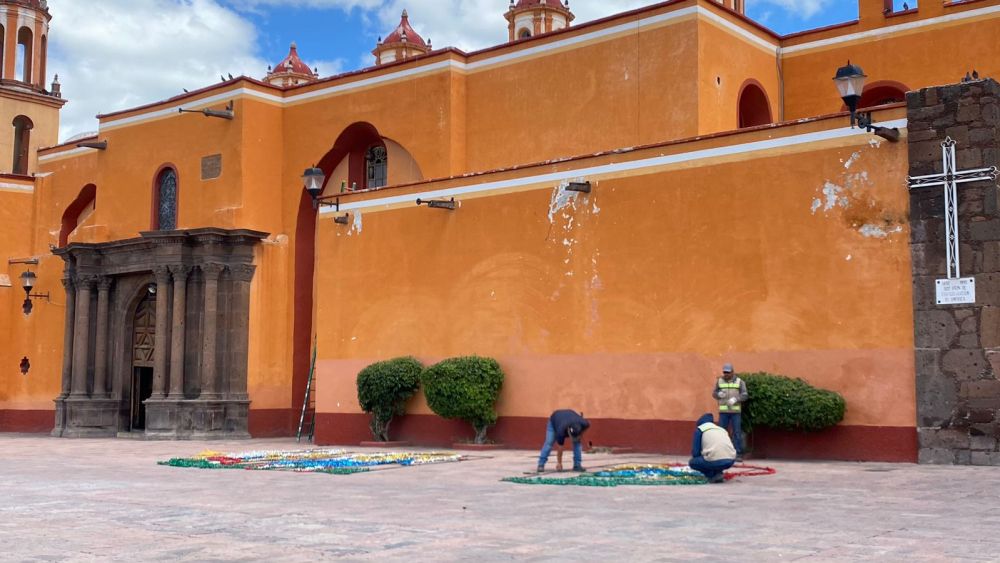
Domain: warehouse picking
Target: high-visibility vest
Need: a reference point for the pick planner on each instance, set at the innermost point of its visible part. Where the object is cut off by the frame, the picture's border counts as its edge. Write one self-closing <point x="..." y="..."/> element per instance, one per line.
<point x="729" y="389"/>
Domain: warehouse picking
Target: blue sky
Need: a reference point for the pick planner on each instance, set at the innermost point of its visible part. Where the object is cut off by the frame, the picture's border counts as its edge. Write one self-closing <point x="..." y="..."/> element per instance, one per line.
<point x="118" y="54"/>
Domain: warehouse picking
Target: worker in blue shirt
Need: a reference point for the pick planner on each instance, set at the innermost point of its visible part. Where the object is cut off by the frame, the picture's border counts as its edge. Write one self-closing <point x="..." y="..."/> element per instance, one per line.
<point x="564" y="424"/>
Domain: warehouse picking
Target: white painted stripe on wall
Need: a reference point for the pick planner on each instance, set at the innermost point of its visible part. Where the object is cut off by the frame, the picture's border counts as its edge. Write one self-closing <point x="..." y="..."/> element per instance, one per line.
<point x="65" y="154"/>
<point x="712" y="16"/>
<point x="4" y="186"/>
<point x="595" y="172"/>
<point x="893" y="29"/>
<point x="192" y="104"/>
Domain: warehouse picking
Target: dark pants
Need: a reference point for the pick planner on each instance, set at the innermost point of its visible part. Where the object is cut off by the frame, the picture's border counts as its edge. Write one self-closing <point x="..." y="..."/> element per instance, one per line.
<point x="550" y="440"/>
<point x="710" y="469"/>
<point x="733" y="418"/>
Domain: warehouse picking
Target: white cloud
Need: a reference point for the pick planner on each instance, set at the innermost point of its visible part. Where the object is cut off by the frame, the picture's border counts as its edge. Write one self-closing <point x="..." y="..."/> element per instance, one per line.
<point x="116" y="54"/>
<point x="801" y="9"/>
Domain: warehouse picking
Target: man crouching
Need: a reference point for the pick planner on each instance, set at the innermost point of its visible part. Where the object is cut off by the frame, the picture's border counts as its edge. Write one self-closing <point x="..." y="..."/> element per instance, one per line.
<point x="712" y="452"/>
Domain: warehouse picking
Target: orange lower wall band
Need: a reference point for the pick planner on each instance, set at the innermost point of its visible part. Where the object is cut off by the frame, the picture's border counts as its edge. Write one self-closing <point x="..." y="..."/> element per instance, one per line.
<point x="844" y="443"/>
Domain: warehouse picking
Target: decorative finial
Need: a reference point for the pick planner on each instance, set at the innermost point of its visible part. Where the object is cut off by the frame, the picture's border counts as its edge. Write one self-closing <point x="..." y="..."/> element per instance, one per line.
<point x="405" y="15"/>
<point x="294" y="46"/>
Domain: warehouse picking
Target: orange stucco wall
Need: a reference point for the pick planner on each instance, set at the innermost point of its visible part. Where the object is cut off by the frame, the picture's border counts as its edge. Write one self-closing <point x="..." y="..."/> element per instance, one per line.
<point x="625" y="303"/>
<point x="639" y="311"/>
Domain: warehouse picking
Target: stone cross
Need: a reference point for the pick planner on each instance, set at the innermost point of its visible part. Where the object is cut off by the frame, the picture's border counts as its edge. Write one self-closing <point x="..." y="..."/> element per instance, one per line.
<point x="950" y="179"/>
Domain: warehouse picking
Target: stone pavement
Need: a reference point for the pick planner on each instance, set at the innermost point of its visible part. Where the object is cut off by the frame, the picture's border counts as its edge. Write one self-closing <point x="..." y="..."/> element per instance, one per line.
<point x="107" y="500"/>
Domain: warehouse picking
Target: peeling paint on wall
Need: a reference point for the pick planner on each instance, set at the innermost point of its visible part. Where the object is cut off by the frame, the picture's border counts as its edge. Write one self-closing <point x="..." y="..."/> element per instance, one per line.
<point x="561" y="198"/>
<point x="833" y="196"/>
<point x="878" y="231"/>
<point x="357" y="225"/>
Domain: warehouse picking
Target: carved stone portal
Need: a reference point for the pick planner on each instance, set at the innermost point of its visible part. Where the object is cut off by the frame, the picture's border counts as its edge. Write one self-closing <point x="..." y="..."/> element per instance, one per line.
<point x="157" y="336"/>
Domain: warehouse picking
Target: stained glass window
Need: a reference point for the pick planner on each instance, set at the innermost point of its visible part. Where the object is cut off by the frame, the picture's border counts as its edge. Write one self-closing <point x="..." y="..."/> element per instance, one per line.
<point x="166" y="212"/>
<point x="377" y="163"/>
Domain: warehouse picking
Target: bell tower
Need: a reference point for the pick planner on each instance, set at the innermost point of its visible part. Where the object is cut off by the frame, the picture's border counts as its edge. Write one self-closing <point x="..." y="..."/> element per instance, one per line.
<point x="403" y="43"/>
<point x="29" y="113"/>
<point x="528" y="18"/>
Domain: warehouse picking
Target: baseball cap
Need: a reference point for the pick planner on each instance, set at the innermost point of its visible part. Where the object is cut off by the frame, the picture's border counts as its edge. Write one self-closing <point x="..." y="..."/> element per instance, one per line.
<point x="727" y="368"/>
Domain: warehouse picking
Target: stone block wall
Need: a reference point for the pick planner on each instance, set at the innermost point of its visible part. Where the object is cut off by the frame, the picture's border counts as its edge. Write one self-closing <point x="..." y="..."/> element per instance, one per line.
<point x="957" y="347"/>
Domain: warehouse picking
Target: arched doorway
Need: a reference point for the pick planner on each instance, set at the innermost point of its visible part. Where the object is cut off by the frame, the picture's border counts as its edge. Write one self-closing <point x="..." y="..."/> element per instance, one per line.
<point x="143" y="353"/>
<point x="754" y="108"/>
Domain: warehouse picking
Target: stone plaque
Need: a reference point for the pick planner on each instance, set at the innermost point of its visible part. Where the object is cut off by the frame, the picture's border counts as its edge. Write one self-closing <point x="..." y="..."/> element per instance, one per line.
<point x="211" y="167"/>
<point x="956" y="291"/>
<point x="4" y="280"/>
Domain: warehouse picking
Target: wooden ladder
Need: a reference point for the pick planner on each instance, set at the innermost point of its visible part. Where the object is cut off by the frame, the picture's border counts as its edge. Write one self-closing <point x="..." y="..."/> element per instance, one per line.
<point x="309" y="403"/>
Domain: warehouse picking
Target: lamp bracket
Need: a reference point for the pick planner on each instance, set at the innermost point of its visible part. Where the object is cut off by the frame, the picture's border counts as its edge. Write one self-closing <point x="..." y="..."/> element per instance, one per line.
<point x="342" y="219"/>
<point x="582" y="187"/>
<point x="335" y="204"/>
<point x="29" y="261"/>
<point x="865" y="121"/>
<point x="99" y="145"/>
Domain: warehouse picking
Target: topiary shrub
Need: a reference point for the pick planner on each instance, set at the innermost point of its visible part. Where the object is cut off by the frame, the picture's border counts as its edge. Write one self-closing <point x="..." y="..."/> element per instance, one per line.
<point x="465" y="388"/>
<point x="784" y="403"/>
<point x="384" y="388"/>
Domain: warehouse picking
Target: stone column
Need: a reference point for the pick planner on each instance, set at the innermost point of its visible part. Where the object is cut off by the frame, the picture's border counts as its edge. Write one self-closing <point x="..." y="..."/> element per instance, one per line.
<point x="239" y="341"/>
<point x="101" y="339"/>
<point x="70" y="326"/>
<point x="177" y="334"/>
<point x="160" y="353"/>
<point x="957" y="346"/>
<point x="81" y="337"/>
<point x="209" y="381"/>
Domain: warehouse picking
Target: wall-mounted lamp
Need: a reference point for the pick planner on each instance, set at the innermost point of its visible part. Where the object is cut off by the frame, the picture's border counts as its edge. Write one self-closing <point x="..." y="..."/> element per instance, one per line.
<point x="582" y="187"/>
<point x="342" y="219"/>
<point x="227" y="113"/>
<point x="850" y="81"/>
<point x="99" y="145"/>
<point x="438" y="203"/>
<point x="28" y="279"/>
<point x="313" y="179"/>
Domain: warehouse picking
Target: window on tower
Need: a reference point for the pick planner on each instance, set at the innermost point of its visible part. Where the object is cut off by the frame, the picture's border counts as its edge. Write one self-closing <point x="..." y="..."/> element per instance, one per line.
<point x="524" y="34"/>
<point x="25" y="40"/>
<point x="22" y="143"/>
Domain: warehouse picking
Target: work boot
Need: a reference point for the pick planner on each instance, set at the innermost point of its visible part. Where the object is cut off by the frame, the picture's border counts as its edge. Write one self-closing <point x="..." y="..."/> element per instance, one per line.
<point x="541" y="469"/>
<point x="720" y="478"/>
<point x="739" y="458"/>
<point x="579" y="469"/>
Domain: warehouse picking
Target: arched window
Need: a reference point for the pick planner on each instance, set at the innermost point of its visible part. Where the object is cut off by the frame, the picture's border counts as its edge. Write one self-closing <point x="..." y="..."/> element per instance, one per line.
<point x="524" y="34"/>
<point x="22" y="143"/>
<point x="3" y="43"/>
<point x="77" y="212"/>
<point x="754" y="109"/>
<point x="165" y="201"/>
<point x="881" y="93"/>
<point x="25" y="41"/>
<point x="44" y="57"/>
<point x="377" y="166"/>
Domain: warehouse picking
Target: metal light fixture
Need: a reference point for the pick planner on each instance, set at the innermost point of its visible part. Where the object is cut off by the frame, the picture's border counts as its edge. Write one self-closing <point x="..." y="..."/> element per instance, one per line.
<point x="438" y="203"/>
<point x="342" y="219"/>
<point x="227" y="113"/>
<point x="28" y="279"/>
<point x="313" y="179"/>
<point x="850" y="82"/>
<point x="582" y="187"/>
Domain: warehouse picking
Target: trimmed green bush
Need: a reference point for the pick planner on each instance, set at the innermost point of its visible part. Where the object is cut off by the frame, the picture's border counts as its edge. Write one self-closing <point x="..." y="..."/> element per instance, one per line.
<point x="465" y="388"/>
<point x="784" y="403"/>
<point x="384" y="388"/>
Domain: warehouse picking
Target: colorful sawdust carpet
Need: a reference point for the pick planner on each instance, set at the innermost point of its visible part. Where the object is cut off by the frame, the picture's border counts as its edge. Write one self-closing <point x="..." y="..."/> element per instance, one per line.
<point x="639" y="474"/>
<point x="338" y="462"/>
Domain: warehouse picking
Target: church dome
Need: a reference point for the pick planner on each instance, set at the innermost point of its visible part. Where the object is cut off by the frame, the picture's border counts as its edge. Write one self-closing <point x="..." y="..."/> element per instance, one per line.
<point x="541" y="3"/>
<point x="291" y="71"/>
<point x="405" y="30"/>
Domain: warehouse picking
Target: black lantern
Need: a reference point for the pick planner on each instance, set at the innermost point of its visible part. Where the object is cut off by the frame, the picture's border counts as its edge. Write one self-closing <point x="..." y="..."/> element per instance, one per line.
<point x="850" y="82"/>
<point x="313" y="178"/>
<point x="28" y="280"/>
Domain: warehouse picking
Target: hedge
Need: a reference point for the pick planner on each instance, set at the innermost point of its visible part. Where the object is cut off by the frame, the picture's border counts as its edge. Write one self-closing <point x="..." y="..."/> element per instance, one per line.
<point x="383" y="389"/>
<point x="784" y="403"/>
<point x="465" y="388"/>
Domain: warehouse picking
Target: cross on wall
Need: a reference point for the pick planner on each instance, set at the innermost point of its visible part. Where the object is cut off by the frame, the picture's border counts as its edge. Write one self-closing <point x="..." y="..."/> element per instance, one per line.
<point x="950" y="179"/>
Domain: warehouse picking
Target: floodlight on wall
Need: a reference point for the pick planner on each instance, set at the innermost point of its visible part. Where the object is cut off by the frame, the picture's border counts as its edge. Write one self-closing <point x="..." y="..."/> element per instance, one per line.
<point x="342" y="219"/>
<point x="850" y="82"/>
<point x="28" y="279"/>
<point x="438" y="203"/>
<point x="99" y="145"/>
<point x="227" y="113"/>
<point x="582" y="187"/>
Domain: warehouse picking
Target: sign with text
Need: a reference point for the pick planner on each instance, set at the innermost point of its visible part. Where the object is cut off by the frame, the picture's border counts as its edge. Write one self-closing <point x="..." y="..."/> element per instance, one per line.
<point x="958" y="291"/>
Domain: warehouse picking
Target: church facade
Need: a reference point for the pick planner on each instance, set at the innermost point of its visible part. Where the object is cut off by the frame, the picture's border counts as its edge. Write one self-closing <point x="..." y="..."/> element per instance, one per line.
<point x="631" y="202"/>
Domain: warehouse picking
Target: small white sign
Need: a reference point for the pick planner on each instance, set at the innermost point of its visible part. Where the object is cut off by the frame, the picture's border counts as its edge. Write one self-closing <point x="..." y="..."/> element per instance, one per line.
<point x="957" y="291"/>
<point x="4" y="280"/>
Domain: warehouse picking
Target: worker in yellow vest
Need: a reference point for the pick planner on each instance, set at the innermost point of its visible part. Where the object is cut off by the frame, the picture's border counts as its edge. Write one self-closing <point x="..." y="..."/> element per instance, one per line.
<point x="712" y="451"/>
<point x="731" y="392"/>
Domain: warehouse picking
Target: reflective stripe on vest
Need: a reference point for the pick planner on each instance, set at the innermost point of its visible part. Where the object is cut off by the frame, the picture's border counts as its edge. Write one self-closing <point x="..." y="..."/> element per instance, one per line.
<point x="727" y="386"/>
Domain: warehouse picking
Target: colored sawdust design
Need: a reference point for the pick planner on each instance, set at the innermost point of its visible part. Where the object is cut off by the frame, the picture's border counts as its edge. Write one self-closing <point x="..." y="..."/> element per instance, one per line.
<point x="335" y="462"/>
<point x="640" y="474"/>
